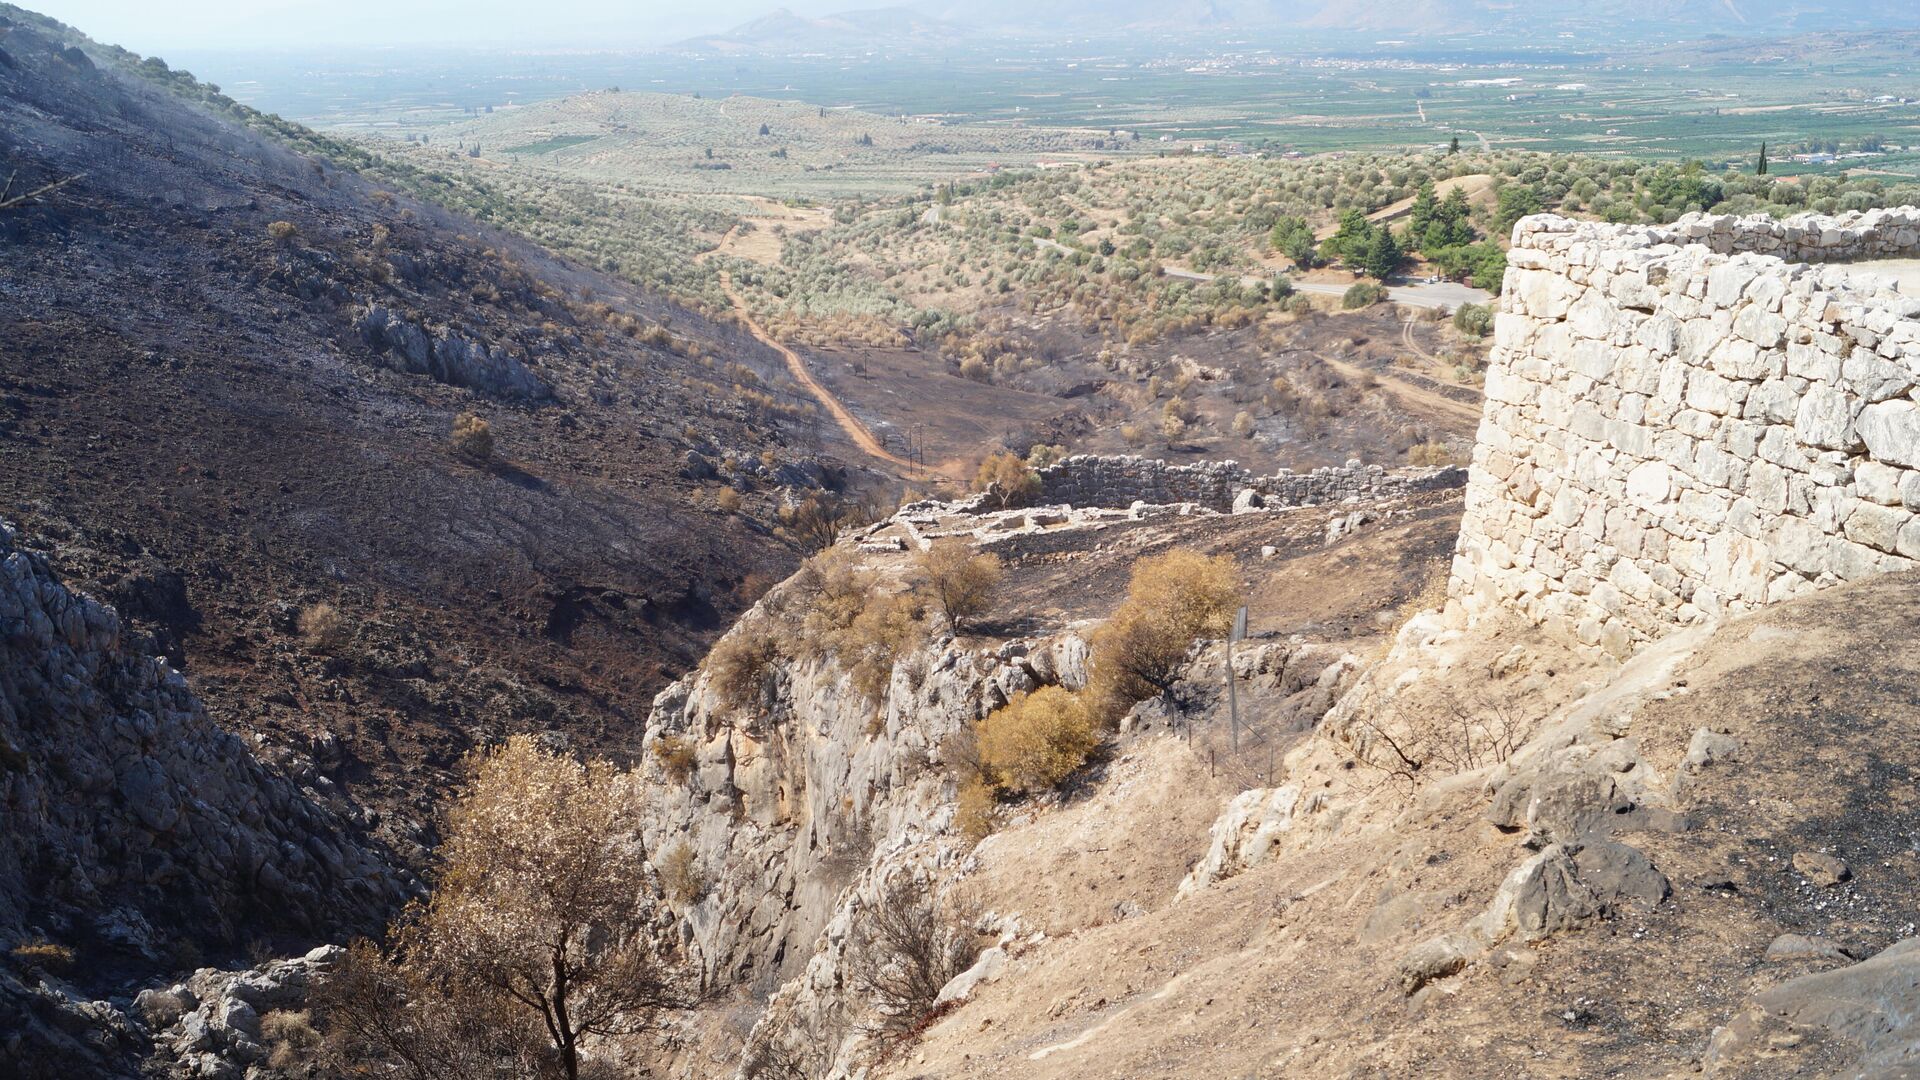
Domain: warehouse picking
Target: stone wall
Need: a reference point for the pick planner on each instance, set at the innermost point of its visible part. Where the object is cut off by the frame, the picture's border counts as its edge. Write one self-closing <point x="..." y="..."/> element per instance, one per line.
<point x="1678" y="426"/>
<point x="1098" y="481"/>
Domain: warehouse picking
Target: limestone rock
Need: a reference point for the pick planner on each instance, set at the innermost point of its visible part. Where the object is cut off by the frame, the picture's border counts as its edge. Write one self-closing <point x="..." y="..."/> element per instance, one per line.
<point x="1872" y="1008"/>
<point x="1820" y="868"/>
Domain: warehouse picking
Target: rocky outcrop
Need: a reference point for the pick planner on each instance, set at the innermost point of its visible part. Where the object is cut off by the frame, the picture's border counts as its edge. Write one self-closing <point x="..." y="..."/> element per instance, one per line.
<point x="137" y="830"/>
<point x="447" y="357"/>
<point x="1093" y="480"/>
<point x="1678" y="426"/>
<point x="1862" y="1020"/>
<point x="790" y="799"/>
<point x="214" y="1025"/>
<point x="131" y="816"/>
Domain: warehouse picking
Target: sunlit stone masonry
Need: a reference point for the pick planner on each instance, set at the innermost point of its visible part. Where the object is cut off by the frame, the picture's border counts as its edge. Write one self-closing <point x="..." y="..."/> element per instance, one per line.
<point x="1692" y="420"/>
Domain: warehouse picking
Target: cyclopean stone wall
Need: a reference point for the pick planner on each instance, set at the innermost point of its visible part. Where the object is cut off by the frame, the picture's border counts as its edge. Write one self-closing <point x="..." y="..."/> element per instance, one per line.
<point x="1678" y="426"/>
<point x="1100" y="481"/>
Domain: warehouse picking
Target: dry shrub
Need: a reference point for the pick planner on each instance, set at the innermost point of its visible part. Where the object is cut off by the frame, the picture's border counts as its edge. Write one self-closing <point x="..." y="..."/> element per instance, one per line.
<point x="816" y="521"/>
<point x="323" y="627"/>
<point x="975" y="816"/>
<point x="471" y="438"/>
<point x="1036" y="740"/>
<point x="1415" y="744"/>
<point x="884" y="632"/>
<point x="1434" y="452"/>
<point x="960" y="581"/>
<point x="1172" y="600"/>
<point x="834" y="608"/>
<point x="681" y="876"/>
<point x="740" y="664"/>
<point x="676" y="756"/>
<point x="906" y="948"/>
<point x="44" y="956"/>
<point x="1042" y="455"/>
<point x="291" y="1036"/>
<point x="1008" y="479"/>
<point x="282" y="232"/>
<point x="728" y="499"/>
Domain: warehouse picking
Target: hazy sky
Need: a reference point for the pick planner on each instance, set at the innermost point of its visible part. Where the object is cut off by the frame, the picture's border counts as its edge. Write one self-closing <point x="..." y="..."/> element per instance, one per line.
<point x="154" y="26"/>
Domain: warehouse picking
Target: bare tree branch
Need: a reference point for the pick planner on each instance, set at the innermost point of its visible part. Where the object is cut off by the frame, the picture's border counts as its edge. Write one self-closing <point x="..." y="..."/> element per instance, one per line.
<point x="9" y="201"/>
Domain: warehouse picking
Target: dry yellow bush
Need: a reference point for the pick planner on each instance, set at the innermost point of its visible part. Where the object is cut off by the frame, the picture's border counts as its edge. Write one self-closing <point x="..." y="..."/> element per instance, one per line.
<point x="960" y="581"/>
<point x="1036" y="740"/>
<point x="1431" y="453"/>
<point x="323" y="627"/>
<point x="472" y="438"/>
<point x="834" y="608"/>
<point x="1172" y="599"/>
<point x="681" y="876"/>
<point x="740" y="663"/>
<point x="1007" y="478"/>
<point x="974" y="816"/>
<point x="676" y="757"/>
<point x="43" y="955"/>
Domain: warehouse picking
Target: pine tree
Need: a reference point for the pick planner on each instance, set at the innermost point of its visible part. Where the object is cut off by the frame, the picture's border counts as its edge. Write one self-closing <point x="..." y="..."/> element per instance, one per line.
<point x="1425" y="206"/>
<point x="1382" y="255"/>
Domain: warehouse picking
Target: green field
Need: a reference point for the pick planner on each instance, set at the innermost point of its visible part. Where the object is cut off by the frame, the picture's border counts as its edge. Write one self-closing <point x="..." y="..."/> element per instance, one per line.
<point x="548" y="146"/>
<point x="1714" y="99"/>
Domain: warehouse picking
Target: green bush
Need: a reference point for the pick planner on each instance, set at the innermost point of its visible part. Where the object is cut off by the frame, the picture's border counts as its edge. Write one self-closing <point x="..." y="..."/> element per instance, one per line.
<point x="1473" y="320"/>
<point x="1362" y="294"/>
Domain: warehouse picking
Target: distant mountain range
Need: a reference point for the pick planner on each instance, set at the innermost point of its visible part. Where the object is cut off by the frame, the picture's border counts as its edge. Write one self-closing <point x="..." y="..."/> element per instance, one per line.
<point x="936" y="23"/>
<point x="784" y="31"/>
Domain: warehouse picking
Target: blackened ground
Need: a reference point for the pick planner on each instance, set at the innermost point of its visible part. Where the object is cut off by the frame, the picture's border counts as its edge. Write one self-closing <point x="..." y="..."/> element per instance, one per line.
<point x="192" y="426"/>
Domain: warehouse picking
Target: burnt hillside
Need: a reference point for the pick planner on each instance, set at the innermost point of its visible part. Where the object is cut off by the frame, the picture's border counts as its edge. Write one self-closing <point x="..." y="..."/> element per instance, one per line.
<point x="226" y="387"/>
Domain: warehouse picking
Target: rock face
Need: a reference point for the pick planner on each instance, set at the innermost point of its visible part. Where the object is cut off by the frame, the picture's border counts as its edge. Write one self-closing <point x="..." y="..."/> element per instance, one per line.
<point x="135" y="826"/>
<point x="790" y="800"/>
<point x="1681" y="423"/>
<point x="129" y="811"/>
<point x="447" y="357"/>
<point x="210" y="1025"/>
<point x="1120" y="481"/>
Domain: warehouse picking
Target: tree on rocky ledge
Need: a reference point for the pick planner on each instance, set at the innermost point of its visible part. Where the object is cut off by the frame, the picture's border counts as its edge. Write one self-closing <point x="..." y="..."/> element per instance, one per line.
<point x="1172" y="600"/>
<point x="532" y="941"/>
<point x="960" y="580"/>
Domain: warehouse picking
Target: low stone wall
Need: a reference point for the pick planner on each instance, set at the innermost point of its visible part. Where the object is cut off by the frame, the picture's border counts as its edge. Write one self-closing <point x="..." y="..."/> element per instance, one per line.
<point x="1673" y="432"/>
<point x="1099" y="481"/>
<point x="1869" y="234"/>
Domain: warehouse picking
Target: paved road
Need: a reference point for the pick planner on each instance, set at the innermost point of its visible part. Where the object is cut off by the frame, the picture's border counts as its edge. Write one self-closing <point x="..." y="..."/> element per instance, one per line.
<point x="1447" y="295"/>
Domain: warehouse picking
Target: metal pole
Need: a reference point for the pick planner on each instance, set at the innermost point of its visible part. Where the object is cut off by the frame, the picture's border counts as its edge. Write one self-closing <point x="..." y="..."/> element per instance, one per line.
<point x="1233" y="701"/>
<point x="1238" y="632"/>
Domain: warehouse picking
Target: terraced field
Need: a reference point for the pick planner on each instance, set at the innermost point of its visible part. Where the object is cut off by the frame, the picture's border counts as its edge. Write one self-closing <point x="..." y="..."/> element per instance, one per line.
<point x="746" y="145"/>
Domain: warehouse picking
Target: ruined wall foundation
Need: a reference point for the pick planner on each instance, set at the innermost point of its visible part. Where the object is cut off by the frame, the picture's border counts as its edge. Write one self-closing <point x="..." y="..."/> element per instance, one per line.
<point x="1095" y="480"/>
<point x="1682" y="423"/>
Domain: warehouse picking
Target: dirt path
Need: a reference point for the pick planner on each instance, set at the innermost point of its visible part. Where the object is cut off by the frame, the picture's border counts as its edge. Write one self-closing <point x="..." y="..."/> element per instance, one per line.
<point x="797" y="367"/>
<point x="1413" y="397"/>
<point x="1414" y="346"/>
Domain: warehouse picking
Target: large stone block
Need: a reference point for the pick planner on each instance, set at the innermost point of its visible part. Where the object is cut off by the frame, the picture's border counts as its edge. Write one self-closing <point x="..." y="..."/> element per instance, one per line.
<point x="1891" y="431"/>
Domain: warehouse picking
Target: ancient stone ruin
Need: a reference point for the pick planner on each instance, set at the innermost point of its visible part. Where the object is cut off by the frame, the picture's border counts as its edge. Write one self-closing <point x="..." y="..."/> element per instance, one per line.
<point x="1093" y="480"/>
<point x="1693" y="420"/>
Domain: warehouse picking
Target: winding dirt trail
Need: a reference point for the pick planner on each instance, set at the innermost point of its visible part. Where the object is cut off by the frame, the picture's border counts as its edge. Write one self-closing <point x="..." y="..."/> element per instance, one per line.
<point x="797" y="367"/>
